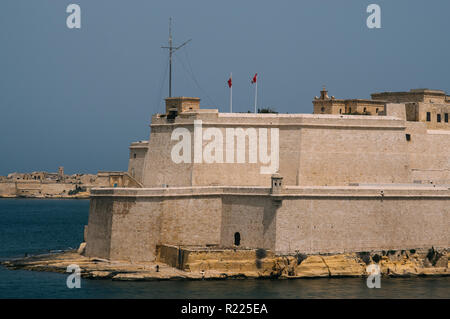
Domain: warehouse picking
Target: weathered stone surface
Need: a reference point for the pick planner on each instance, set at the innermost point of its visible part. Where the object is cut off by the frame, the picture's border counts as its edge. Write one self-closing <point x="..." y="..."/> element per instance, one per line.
<point x="82" y="248"/>
<point x="313" y="266"/>
<point x="283" y="267"/>
<point x="345" y="265"/>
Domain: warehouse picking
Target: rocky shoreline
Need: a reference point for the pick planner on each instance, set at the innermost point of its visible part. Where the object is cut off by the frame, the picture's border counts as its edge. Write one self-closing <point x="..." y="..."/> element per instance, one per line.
<point x="398" y="264"/>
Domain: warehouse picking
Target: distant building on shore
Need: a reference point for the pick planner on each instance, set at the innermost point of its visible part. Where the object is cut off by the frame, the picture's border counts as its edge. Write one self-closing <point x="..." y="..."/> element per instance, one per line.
<point x="46" y="184"/>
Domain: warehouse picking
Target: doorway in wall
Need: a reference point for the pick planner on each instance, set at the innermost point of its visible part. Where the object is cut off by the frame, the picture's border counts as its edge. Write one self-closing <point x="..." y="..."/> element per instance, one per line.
<point x="237" y="239"/>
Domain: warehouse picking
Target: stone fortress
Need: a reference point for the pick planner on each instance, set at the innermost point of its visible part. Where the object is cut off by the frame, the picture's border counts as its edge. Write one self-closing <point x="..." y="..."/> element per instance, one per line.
<point x="355" y="176"/>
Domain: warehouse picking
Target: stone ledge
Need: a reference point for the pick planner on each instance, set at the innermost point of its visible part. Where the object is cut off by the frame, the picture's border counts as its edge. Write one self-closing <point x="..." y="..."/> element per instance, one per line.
<point x="373" y="191"/>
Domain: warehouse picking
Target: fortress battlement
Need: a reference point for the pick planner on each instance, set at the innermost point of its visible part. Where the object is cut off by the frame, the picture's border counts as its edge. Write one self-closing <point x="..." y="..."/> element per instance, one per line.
<point x="278" y="120"/>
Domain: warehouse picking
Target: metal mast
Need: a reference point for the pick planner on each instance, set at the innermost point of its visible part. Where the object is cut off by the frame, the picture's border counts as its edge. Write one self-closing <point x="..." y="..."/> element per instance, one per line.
<point x="172" y="50"/>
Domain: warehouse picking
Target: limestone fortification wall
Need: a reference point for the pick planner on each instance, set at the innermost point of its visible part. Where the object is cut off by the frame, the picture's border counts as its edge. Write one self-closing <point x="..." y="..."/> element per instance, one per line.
<point x="98" y="234"/>
<point x="314" y="150"/>
<point x="136" y="163"/>
<point x="349" y="224"/>
<point x="128" y="224"/>
<point x="428" y="154"/>
<point x="33" y="188"/>
<point x="160" y="170"/>
<point x="56" y="188"/>
<point x="254" y="218"/>
<point x="350" y="184"/>
<point x="129" y="228"/>
<point x="343" y="155"/>
<point x="8" y="188"/>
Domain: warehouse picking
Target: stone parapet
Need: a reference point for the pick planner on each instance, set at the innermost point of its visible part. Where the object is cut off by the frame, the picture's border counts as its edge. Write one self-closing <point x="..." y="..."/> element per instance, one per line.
<point x="375" y="191"/>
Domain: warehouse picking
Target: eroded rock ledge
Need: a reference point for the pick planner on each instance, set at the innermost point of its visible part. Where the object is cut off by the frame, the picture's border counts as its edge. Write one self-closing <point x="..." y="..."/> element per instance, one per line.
<point x="256" y="264"/>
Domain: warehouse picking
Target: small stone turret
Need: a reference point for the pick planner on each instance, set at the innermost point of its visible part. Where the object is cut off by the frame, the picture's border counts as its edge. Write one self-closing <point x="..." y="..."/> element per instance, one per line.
<point x="61" y="176"/>
<point x="277" y="184"/>
<point x="182" y="104"/>
<point x="324" y="94"/>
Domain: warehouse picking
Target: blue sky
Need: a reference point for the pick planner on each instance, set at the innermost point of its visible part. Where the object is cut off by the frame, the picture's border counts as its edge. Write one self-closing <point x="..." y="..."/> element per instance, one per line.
<point x="77" y="98"/>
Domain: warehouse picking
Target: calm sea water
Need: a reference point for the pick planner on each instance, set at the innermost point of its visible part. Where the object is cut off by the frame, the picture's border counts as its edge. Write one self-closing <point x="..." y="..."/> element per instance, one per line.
<point x="39" y="226"/>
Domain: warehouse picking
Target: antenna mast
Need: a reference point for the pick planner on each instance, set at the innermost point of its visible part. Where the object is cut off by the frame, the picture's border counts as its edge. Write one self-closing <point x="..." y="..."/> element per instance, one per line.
<point x="172" y="50"/>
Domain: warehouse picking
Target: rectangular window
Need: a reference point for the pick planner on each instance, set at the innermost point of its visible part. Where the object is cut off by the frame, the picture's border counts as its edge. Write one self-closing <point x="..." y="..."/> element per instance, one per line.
<point x="408" y="137"/>
<point x="428" y="116"/>
<point x="446" y="117"/>
<point x="439" y="118"/>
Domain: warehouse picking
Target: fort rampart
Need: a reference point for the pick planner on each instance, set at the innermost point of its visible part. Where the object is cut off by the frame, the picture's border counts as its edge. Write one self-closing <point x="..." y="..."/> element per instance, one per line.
<point x="343" y="183"/>
<point x="128" y="224"/>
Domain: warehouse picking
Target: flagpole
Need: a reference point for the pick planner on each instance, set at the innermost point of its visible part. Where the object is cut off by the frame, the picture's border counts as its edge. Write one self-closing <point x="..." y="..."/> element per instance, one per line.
<point x="256" y="93"/>
<point x="231" y="93"/>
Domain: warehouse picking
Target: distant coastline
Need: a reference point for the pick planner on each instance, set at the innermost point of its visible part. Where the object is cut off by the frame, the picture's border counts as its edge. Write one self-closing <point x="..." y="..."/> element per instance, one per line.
<point x="45" y="185"/>
<point x="81" y="196"/>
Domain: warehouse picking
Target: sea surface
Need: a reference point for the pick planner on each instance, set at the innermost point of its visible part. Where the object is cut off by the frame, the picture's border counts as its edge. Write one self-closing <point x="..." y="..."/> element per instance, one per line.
<point x="36" y="226"/>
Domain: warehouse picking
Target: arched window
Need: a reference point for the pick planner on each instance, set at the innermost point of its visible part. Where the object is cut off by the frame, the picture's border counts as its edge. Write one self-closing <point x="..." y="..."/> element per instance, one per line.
<point x="237" y="239"/>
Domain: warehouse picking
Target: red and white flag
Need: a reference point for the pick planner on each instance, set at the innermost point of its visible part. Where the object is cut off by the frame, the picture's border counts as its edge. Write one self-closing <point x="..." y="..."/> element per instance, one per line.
<point x="256" y="89"/>
<point x="254" y="78"/>
<point x="230" y="85"/>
